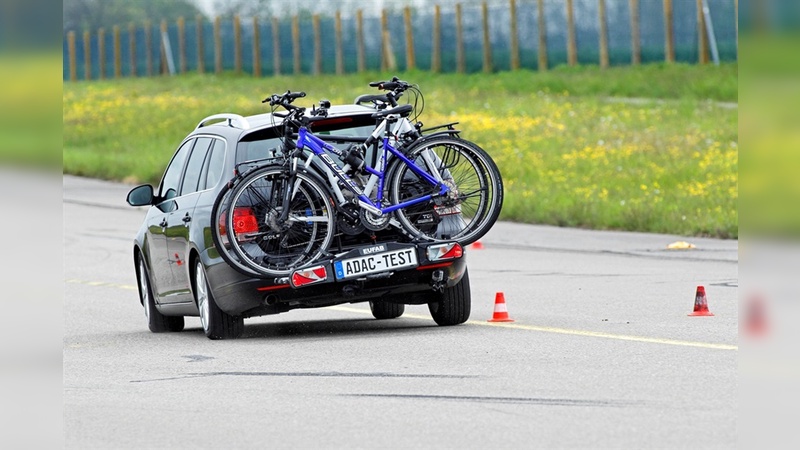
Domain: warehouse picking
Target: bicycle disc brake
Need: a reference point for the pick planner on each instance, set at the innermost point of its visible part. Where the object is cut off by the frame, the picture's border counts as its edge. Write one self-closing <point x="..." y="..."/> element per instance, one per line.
<point x="349" y="221"/>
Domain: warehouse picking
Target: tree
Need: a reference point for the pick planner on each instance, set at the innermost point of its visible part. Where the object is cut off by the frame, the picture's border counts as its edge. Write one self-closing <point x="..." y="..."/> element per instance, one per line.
<point x="244" y="8"/>
<point x="94" y="14"/>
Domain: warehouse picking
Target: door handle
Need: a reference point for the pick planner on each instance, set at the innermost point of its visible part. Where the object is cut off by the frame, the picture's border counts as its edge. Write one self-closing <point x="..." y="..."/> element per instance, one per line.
<point x="187" y="218"/>
<point x="163" y="223"/>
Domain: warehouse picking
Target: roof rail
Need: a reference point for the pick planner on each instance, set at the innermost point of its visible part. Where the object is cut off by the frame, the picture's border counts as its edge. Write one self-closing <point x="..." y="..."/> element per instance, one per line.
<point x="243" y="123"/>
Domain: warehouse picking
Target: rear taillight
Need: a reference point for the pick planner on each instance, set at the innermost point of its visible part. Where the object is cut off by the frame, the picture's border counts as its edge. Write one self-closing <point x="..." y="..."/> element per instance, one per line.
<point x="244" y="221"/>
<point x="443" y="252"/>
<point x="311" y="275"/>
<point x="223" y="218"/>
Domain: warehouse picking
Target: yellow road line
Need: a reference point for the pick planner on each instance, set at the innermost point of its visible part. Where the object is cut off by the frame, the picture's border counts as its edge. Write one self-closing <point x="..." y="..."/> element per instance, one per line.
<point x="516" y="326"/>
<point x="586" y="333"/>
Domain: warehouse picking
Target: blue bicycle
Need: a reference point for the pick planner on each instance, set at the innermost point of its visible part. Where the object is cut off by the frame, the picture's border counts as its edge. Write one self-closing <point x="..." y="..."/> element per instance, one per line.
<point x="285" y="214"/>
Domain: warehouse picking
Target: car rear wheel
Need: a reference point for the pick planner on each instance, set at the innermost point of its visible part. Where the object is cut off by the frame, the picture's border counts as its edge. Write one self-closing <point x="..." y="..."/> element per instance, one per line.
<point x="452" y="306"/>
<point x="157" y="322"/>
<point x="386" y="310"/>
<point x="217" y="324"/>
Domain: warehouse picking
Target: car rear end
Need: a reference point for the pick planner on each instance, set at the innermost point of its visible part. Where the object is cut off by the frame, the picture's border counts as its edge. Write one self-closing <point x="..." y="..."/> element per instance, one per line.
<point x="418" y="271"/>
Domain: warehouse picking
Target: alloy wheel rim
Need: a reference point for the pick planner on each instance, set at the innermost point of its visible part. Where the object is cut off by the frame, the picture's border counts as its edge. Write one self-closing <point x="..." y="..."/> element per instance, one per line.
<point x="202" y="296"/>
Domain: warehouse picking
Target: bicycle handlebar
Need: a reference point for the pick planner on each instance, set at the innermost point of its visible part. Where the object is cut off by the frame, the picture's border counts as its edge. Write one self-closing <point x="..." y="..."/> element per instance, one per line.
<point x="284" y="100"/>
<point x="395" y="84"/>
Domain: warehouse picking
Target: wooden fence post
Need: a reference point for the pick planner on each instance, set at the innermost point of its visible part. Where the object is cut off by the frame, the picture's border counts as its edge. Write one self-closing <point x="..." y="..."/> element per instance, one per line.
<point x="87" y="55"/>
<point x="411" y="62"/>
<point x="317" y="45"/>
<point x="132" y="48"/>
<point x="73" y="70"/>
<point x="572" y="46"/>
<point x="182" y="44"/>
<point x="702" y="39"/>
<point x="388" y="61"/>
<point x="148" y="46"/>
<point x="101" y="51"/>
<point x="117" y="52"/>
<point x="360" y="41"/>
<point x="164" y="62"/>
<point x="217" y="45"/>
<point x="237" y="44"/>
<point x="339" y="50"/>
<point x="296" y="43"/>
<point x="436" y="45"/>
<point x="601" y="12"/>
<point x="276" y="46"/>
<point x="542" y="37"/>
<point x="256" y="48"/>
<point x="636" y="42"/>
<point x="201" y="63"/>
<point x="461" y="65"/>
<point x="514" y="38"/>
<point x="487" y="43"/>
<point x="669" y="38"/>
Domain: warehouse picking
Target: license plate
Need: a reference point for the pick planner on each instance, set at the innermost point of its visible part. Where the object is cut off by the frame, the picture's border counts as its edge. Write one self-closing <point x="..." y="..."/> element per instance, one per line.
<point x="380" y="262"/>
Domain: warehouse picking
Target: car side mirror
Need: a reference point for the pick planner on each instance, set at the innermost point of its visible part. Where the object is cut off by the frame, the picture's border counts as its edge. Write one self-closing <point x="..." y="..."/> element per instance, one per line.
<point x="141" y="195"/>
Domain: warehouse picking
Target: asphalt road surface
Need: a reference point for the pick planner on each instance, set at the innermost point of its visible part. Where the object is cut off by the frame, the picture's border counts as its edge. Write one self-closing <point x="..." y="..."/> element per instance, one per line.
<point x="602" y="353"/>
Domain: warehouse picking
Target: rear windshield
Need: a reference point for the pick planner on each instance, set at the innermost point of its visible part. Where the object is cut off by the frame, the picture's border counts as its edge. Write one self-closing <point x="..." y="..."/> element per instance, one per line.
<point x="265" y="144"/>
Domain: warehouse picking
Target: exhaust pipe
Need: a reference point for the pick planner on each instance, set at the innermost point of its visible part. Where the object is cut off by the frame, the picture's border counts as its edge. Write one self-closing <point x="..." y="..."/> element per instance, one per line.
<point x="271" y="300"/>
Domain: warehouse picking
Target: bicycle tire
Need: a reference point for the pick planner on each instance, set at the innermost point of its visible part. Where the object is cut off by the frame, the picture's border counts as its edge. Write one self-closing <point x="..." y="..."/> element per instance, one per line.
<point x="465" y="217"/>
<point x="256" y="236"/>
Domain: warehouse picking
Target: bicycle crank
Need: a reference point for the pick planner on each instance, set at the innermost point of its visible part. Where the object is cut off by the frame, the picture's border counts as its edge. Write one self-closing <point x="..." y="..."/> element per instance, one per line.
<point x="374" y="222"/>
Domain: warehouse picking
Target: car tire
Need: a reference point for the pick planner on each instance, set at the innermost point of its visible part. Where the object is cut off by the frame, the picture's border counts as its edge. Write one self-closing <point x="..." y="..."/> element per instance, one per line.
<point x="157" y="322"/>
<point x="386" y="310"/>
<point x="217" y="324"/>
<point x="452" y="307"/>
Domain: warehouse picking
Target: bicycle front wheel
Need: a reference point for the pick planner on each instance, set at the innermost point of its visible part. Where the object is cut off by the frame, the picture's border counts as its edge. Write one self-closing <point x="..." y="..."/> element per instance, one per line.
<point x="258" y="234"/>
<point x="464" y="214"/>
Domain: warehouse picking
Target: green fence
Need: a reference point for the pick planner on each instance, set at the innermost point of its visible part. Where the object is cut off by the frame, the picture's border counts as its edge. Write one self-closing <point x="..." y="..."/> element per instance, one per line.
<point x="465" y="37"/>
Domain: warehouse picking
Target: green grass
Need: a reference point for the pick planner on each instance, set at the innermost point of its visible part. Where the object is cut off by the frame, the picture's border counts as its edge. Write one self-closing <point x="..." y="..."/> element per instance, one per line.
<point x="30" y="129"/>
<point x="634" y="148"/>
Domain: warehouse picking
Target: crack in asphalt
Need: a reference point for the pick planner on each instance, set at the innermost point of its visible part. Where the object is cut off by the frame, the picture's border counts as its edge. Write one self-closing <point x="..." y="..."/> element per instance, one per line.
<point x="309" y="374"/>
<point x="511" y="400"/>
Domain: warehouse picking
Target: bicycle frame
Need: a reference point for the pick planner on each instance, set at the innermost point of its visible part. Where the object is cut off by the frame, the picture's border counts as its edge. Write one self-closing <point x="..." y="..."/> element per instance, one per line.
<point x="318" y="147"/>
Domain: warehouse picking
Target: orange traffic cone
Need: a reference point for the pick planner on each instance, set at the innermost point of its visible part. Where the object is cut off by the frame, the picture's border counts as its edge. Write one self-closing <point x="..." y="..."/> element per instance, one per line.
<point x="477" y="245"/>
<point x="500" y="310"/>
<point x="700" y="303"/>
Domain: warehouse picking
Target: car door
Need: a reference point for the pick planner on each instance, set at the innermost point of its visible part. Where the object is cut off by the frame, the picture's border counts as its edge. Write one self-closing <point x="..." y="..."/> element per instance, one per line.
<point x="179" y="224"/>
<point x="160" y="265"/>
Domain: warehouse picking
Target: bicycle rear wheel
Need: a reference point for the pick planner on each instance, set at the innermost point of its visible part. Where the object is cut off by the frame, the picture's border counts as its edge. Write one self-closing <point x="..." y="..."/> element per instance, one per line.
<point x="259" y="238"/>
<point x="475" y="199"/>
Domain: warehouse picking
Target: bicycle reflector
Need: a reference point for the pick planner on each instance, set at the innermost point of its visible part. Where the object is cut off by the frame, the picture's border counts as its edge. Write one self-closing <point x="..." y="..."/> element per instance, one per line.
<point x="442" y="252"/>
<point x="307" y="276"/>
<point x="244" y="221"/>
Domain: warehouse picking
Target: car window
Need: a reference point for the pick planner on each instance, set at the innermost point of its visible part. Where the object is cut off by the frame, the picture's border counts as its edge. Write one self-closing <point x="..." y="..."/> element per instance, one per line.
<point x="170" y="184"/>
<point x="195" y="166"/>
<point x="265" y="146"/>
<point x="258" y="150"/>
<point x="215" y="164"/>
